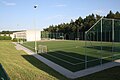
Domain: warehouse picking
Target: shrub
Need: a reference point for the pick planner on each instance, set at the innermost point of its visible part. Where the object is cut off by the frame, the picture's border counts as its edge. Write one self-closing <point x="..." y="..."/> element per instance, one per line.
<point x="14" y="40"/>
<point x="18" y="40"/>
<point x="1" y="37"/>
<point x="5" y="38"/>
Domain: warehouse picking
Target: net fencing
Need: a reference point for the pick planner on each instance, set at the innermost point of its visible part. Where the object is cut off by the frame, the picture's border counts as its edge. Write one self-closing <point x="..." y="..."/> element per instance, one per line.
<point x="49" y="35"/>
<point x="102" y="41"/>
<point x="101" y="45"/>
<point x="62" y="36"/>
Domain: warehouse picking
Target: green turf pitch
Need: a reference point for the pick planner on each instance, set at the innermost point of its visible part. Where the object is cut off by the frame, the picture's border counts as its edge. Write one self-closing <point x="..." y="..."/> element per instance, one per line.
<point x="73" y="54"/>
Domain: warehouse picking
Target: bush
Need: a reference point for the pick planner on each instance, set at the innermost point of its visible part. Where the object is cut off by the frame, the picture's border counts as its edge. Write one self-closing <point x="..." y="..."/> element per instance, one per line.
<point x="5" y="38"/>
<point x="18" y="40"/>
<point x="14" y="40"/>
<point x="1" y="37"/>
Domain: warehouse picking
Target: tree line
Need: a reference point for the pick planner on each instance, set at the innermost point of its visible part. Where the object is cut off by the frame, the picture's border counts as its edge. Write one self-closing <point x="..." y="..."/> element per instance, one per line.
<point x="7" y="32"/>
<point x="80" y="24"/>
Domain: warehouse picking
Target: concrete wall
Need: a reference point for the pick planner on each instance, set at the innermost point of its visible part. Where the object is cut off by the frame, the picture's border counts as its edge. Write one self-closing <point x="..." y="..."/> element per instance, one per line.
<point x="29" y="35"/>
<point x="12" y="36"/>
<point x="21" y="34"/>
<point x="32" y="35"/>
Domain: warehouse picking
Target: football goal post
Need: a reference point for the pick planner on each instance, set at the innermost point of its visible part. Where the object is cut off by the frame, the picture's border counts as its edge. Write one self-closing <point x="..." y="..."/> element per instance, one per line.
<point x="42" y="49"/>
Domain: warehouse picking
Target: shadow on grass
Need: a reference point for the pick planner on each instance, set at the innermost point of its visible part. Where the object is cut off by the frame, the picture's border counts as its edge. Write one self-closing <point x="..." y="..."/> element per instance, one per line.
<point x="77" y="60"/>
<point x="40" y="65"/>
<point x="3" y="74"/>
<point x="107" y="74"/>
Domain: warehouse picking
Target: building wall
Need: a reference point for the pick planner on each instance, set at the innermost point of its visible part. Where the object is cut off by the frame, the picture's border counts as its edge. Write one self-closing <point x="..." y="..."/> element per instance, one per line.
<point x="29" y="35"/>
<point x="4" y="34"/>
<point x="11" y="35"/>
<point x="21" y="34"/>
<point x="32" y="35"/>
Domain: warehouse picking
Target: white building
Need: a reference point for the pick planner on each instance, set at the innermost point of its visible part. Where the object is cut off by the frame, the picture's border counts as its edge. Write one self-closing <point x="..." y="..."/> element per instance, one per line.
<point x="29" y="35"/>
<point x="11" y="35"/>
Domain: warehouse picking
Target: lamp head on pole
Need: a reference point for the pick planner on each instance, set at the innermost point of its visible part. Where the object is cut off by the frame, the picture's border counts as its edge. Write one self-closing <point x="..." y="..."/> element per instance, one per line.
<point x="35" y="6"/>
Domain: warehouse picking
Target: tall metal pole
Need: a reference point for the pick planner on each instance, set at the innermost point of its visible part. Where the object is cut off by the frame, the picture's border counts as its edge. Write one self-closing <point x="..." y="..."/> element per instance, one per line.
<point x="35" y="7"/>
<point x="101" y="42"/>
<point x="77" y="32"/>
<point x="85" y="50"/>
<point x="113" y="39"/>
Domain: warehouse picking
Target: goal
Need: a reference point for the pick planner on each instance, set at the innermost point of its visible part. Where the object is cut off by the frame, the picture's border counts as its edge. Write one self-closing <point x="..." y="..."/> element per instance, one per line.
<point x="42" y="49"/>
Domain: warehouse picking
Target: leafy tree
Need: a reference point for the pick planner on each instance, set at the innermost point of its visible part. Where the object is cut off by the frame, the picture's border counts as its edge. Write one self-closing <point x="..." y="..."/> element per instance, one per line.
<point x="98" y="17"/>
<point x="80" y="24"/>
<point x="110" y="15"/>
<point x="117" y="15"/>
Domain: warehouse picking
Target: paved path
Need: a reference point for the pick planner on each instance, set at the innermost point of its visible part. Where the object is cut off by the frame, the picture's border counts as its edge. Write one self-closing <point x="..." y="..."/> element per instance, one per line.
<point x="64" y="71"/>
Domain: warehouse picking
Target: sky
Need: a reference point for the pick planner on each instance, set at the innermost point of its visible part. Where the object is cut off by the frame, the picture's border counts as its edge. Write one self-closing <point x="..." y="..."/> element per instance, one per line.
<point x="21" y="15"/>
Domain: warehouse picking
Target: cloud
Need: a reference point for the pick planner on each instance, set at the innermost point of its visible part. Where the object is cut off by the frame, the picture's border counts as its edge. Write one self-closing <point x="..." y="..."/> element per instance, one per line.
<point x="60" y="5"/>
<point x="8" y="3"/>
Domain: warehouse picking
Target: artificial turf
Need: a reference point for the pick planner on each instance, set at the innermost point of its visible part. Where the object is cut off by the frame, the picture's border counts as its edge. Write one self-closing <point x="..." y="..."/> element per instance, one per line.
<point x="62" y="53"/>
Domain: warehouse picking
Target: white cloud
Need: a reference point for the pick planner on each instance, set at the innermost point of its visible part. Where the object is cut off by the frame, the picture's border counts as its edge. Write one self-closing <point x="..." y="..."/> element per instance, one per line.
<point x="8" y="3"/>
<point x="60" y="5"/>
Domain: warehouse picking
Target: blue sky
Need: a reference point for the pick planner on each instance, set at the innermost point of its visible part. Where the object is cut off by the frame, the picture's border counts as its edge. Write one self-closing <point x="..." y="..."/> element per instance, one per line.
<point x="20" y="14"/>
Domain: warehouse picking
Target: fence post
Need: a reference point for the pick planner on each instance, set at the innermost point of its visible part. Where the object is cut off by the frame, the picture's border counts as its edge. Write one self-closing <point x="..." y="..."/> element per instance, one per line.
<point x="112" y="38"/>
<point x="85" y="51"/>
<point x="101" y="44"/>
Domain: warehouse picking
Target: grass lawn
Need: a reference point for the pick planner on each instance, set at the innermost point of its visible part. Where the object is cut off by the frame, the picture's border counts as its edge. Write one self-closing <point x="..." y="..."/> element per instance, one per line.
<point x="21" y="66"/>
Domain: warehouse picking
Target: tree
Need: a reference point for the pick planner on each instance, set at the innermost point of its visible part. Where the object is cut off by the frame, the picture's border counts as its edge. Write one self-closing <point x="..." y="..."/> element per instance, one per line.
<point x="110" y="15"/>
<point x="80" y="25"/>
<point x="98" y="17"/>
<point x="117" y="15"/>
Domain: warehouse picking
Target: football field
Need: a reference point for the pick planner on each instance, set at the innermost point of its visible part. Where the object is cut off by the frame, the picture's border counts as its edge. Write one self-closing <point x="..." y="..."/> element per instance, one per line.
<point x="77" y="55"/>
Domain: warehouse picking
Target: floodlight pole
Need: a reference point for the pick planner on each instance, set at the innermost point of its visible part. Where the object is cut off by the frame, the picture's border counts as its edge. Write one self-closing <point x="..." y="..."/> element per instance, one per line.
<point x="35" y="7"/>
<point x="77" y="32"/>
<point x="78" y="37"/>
<point x="85" y="50"/>
<point x="113" y="32"/>
<point x="101" y="42"/>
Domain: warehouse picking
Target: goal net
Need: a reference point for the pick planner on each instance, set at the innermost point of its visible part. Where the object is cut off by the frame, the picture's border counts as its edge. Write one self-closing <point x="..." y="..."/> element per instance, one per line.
<point x="42" y="49"/>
